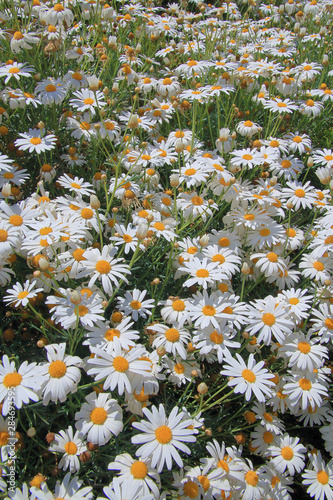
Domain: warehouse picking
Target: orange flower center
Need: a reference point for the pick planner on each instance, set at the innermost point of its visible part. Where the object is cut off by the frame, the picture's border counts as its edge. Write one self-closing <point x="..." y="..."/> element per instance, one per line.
<point x="70" y="448"/>
<point x="287" y="453"/>
<point x="139" y="470"/>
<point x="98" y="416"/>
<point x="249" y="376"/>
<point x="209" y="310"/>
<point x="163" y="434"/>
<point x="12" y="379"/>
<point x="103" y="267"/>
<point x="57" y="369"/>
<point x="120" y="364"/>
<point x="172" y="335"/>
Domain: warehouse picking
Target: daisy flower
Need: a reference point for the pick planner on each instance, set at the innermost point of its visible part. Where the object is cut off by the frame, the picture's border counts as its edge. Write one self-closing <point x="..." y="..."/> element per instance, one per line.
<point x="162" y="435"/>
<point x="51" y="91"/>
<point x="69" y="488"/>
<point x="286" y="453"/>
<point x="79" y="186"/>
<point x="299" y="195"/>
<point x="26" y="382"/>
<point x="174" y="339"/>
<point x="71" y="445"/>
<point x="61" y="374"/>
<point x="10" y="240"/>
<point x="126" y="235"/>
<point x="87" y="100"/>
<point x="248" y="128"/>
<point x="122" y="369"/>
<point x="102" y="334"/>
<point x="266" y="318"/>
<point x="323" y="157"/>
<point x="137" y="472"/>
<point x="16" y="70"/>
<point x="298" y="143"/>
<point x="180" y="371"/>
<point x="211" y="340"/>
<point x="269" y="263"/>
<point x="311" y="108"/>
<point x="319" y="268"/>
<point x="303" y="352"/>
<point x="34" y="141"/>
<point x="319" y="478"/>
<point x="103" y="267"/>
<point x="246" y="158"/>
<point x="202" y="272"/>
<point x="193" y="205"/>
<point x="248" y="378"/>
<point x="174" y="310"/>
<point x="133" y="304"/>
<point x="165" y="229"/>
<point x="280" y="106"/>
<point x="20" y="294"/>
<point x="124" y="491"/>
<point x="99" y="418"/>
<point x="207" y="310"/>
<point x="297" y="302"/>
<point x="304" y="389"/>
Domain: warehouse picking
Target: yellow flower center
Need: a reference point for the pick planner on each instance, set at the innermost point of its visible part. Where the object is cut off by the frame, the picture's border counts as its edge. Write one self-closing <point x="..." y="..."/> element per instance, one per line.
<point x="322" y="477"/>
<point x="18" y="35"/>
<point x="190" y="171"/>
<point x="202" y="273"/>
<point x="218" y="258"/>
<point x="329" y="323"/>
<point x="300" y="193"/>
<point x="120" y="364"/>
<point x="287" y="453"/>
<point x="247" y="157"/>
<point x="304" y="347"/>
<point x="205" y="483"/>
<point x="249" y="376"/>
<point x="274" y="481"/>
<point x="82" y="310"/>
<point x="57" y="369"/>
<point x="35" y="141"/>
<point x="281" y="104"/>
<point x="14" y="70"/>
<point x="163" y="434"/>
<point x="268" y="319"/>
<point x="12" y="379"/>
<point x="127" y="238"/>
<point x="191" y="489"/>
<point x="197" y="200"/>
<point x="78" y="254"/>
<point x="272" y="257"/>
<point x="159" y="226"/>
<point x="305" y="384"/>
<point x="87" y="213"/>
<point x="139" y="470"/>
<point x="89" y="101"/>
<point x="167" y="81"/>
<point x="45" y="230"/>
<point x="294" y="301"/>
<point x="172" y="335"/>
<point x="252" y="478"/>
<point x="178" y="305"/>
<point x="179" y="368"/>
<point x="103" y="267"/>
<point x="248" y="123"/>
<point x="22" y="295"/>
<point x="70" y="448"/>
<point x="215" y="337"/>
<point x="319" y="266"/>
<point x="135" y="304"/>
<point x="222" y="464"/>
<point x="224" y="242"/>
<point x="268" y="437"/>
<point x="98" y="416"/>
<point x="249" y="216"/>
<point x="111" y="333"/>
<point x="209" y="310"/>
<point x="264" y="231"/>
<point x="3" y="235"/>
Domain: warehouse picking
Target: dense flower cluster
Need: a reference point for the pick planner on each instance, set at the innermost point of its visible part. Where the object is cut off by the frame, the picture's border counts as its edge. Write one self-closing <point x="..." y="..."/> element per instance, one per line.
<point x="166" y="249"/>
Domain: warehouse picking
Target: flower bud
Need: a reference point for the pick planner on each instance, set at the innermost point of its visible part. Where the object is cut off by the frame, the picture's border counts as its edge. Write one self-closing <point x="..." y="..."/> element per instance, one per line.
<point x="161" y="351"/>
<point x="43" y="264"/>
<point x="94" y="202"/>
<point x="204" y="240"/>
<point x="50" y="436"/>
<point x="246" y="268"/>
<point x="31" y="432"/>
<point x="93" y="82"/>
<point x="179" y="146"/>
<point x="76" y="298"/>
<point x="142" y="231"/>
<point x="174" y="180"/>
<point x="6" y="190"/>
<point x="273" y="181"/>
<point x="202" y="388"/>
<point x="325" y="60"/>
<point x="133" y="121"/>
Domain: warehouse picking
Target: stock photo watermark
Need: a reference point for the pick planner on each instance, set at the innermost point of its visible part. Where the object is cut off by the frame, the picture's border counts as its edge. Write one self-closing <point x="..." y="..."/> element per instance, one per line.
<point x="11" y="440"/>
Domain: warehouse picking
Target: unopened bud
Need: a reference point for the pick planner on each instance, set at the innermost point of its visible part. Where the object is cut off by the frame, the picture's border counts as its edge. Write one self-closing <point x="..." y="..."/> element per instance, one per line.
<point x="84" y="457"/>
<point x="115" y="87"/>
<point x="161" y="351"/>
<point x="325" y="60"/>
<point x="202" y="388"/>
<point x="297" y="27"/>
<point x="50" y="437"/>
<point x="174" y="180"/>
<point x="133" y="121"/>
<point x="41" y="125"/>
<point x="76" y="298"/>
<point x="105" y="304"/>
<point x="273" y="180"/>
<point x="43" y="264"/>
<point x="94" y="202"/>
<point x="204" y="240"/>
<point x="246" y="268"/>
<point x="302" y="32"/>
<point x="281" y="9"/>
<point x="194" y="373"/>
<point x="327" y="282"/>
<point x="156" y="281"/>
<point x="290" y="205"/>
<point x="31" y="432"/>
<point x="310" y="161"/>
<point x="179" y="146"/>
<point x="142" y="231"/>
<point x="6" y="190"/>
